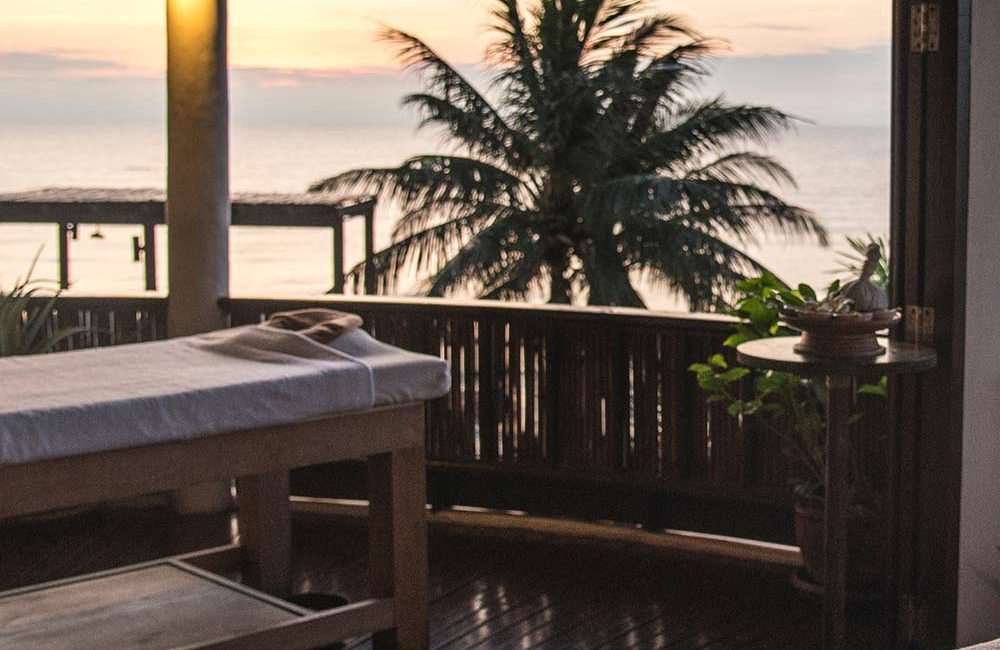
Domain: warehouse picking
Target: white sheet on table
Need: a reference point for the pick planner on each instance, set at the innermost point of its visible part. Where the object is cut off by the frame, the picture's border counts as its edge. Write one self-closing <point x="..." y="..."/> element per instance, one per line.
<point x="399" y="375"/>
<point x="93" y="400"/>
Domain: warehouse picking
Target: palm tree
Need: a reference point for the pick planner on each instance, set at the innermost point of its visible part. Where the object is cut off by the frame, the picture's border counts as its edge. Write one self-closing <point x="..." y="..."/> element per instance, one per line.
<point x="585" y="166"/>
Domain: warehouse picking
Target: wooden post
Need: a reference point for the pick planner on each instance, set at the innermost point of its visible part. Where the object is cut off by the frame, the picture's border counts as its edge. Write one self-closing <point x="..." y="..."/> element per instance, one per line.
<point x="837" y="497"/>
<point x="371" y="287"/>
<point x="265" y="531"/>
<point x="65" y="230"/>
<point x="398" y="545"/>
<point x="338" y="253"/>
<point x="149" y="254"/>
<point x="198" y="205"/>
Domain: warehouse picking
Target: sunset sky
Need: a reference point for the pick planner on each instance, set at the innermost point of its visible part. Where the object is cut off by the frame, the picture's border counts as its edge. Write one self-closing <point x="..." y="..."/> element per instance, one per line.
<point x="317" y="34"/>
<point x="279" y="46"/>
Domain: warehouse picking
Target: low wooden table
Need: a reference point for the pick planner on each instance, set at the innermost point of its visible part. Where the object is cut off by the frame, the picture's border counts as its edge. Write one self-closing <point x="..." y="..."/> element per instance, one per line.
<point x="176" y="603"/>
<point x="779" y="354"/>
<point x="156" y="606"/>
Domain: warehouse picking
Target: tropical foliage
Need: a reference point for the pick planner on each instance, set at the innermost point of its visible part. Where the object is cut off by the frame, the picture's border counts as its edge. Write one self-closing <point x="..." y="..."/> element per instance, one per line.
<point x="784" y="405"/>
<point x="588" y="164"/>
<point x="26" y="317"/>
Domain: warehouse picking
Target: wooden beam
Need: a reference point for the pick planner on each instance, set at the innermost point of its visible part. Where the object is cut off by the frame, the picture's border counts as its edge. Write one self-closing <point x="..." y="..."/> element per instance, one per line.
<point x="119" y="474"/>
<point x="222" y="560"/>
<point x="313" y="631"/>
<point x="398" y="545"/>
<point x="265" y="531"/>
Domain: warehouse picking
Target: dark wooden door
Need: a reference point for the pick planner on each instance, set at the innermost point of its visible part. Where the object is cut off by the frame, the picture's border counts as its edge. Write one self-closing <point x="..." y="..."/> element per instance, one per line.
<point x="929" y="193"/>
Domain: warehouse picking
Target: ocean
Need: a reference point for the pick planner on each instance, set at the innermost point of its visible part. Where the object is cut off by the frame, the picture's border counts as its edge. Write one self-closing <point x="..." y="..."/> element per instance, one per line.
<point x="842" y="175"/>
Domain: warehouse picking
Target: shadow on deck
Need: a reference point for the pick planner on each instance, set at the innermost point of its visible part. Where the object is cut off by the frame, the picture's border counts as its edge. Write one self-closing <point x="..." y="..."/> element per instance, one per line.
<point x="489" y="589"/>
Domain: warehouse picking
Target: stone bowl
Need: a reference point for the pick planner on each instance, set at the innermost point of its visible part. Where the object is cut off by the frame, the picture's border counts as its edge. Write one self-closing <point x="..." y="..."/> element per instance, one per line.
<point x="841" y="336"/>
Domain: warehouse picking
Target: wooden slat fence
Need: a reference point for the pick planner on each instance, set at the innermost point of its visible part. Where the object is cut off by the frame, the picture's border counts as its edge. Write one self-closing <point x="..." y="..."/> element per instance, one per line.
<point x="583" y="412"/>
<point x="589" y="413"/>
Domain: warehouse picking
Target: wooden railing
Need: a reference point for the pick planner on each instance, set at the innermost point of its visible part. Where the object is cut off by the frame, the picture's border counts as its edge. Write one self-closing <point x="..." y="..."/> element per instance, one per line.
<point x="587" y="413"/>
<point x="67" y="207"/>
<point x="110" y="321"/>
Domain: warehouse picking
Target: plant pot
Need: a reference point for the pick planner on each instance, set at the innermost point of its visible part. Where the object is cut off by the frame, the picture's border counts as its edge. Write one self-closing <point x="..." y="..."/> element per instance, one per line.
<point x="865" y="547"/>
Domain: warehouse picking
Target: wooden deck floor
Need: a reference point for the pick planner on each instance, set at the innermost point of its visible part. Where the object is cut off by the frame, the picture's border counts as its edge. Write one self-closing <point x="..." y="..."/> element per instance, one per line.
<point x="489" y="589"/>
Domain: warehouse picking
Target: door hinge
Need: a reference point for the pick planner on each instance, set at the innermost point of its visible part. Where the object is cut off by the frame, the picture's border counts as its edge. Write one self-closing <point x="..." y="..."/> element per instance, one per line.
<point x="919" y="324"/>
<point x="925" y="27"/>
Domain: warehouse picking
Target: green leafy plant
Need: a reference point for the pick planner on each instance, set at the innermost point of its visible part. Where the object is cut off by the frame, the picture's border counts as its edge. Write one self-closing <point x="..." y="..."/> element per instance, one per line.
<point x="26" y="324"/>
<point x="781" y="404"/>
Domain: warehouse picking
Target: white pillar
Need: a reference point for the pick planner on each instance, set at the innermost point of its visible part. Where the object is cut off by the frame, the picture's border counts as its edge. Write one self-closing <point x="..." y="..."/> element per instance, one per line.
<point x="979" y="550"/>
<point x="197" y="165"/>
<point x="198" y="208"/>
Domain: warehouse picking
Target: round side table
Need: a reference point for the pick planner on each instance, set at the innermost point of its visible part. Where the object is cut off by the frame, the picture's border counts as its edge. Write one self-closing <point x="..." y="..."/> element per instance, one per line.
<point x="779" y="354"/>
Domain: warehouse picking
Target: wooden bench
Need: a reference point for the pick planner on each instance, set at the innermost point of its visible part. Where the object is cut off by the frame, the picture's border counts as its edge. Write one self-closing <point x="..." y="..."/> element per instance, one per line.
<point x="195" y="608"/>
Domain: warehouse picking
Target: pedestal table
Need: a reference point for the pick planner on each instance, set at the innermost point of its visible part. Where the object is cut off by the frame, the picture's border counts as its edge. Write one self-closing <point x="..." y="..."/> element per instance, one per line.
<point x="779" y="354"/>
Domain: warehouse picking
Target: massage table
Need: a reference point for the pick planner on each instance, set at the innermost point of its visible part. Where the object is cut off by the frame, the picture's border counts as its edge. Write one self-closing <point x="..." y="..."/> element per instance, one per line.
<point x="254" y="402"/>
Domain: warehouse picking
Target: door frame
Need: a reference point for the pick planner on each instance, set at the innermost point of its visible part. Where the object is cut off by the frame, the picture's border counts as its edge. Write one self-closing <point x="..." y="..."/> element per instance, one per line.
<point x="930" y="142"/>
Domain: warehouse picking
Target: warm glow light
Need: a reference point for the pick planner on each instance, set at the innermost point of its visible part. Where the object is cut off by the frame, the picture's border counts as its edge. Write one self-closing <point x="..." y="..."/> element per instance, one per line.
<point x="194" y="20"/>
<point x="334" y="34"/>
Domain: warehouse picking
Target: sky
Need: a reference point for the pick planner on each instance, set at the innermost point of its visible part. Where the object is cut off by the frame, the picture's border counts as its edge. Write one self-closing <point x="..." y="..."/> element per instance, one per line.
<point x="317" y="61"/>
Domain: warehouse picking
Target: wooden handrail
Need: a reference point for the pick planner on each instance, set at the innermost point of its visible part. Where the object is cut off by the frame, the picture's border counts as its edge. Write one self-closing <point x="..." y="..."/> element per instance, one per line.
<point x="68" y="207"/>
<point x="482" y="308"/>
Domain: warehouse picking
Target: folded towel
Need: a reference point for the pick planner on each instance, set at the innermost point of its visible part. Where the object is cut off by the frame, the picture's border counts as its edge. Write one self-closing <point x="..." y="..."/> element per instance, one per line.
<point x="321" y="325"/>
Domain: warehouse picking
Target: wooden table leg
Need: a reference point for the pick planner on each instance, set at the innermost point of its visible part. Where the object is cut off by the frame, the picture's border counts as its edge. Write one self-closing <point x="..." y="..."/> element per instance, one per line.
<point x="265" y="531"/>
<point x="398" y="545"/>
<point x="837" y="496"/>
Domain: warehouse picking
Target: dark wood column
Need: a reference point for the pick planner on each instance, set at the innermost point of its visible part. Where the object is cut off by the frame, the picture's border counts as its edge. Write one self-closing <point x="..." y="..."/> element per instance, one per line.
<point x="929" y="196"/>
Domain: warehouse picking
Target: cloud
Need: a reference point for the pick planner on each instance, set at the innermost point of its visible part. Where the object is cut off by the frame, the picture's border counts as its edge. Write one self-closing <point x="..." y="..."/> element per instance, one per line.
<point x="363" y="97"/>
<point x="835" y="87"/>
<point x="776" y="27"/>
<point x="55" y="63"/>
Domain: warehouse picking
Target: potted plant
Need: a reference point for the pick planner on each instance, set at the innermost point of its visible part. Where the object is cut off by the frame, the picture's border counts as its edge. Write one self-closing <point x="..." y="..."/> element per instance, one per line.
<point x="793" y="410"/>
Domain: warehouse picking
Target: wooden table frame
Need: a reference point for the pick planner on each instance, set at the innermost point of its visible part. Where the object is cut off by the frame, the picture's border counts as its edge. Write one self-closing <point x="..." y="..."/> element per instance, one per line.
<point x="779" y="354"/>
<point x="391" y="438"/>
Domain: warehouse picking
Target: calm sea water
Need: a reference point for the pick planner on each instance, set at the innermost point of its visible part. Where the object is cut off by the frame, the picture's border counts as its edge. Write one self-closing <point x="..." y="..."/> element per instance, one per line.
<point x="842" y="174"/>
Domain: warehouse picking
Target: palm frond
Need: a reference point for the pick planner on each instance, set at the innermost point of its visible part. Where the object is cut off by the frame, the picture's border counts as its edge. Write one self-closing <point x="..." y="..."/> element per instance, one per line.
<point x="430" y="178"/>
<point x="515" y="50"/>
<point x="743" y="167"/>
<point x="704" y="269"/>
<point x="518" y="280"/>
<point x="713" y="127"/>
<point x="644" y="38"/>
<point x="744" y="210"/>
<point x="452" y="87"/>
<point x="490" y="258"/>
<point x="430" y="249"/>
